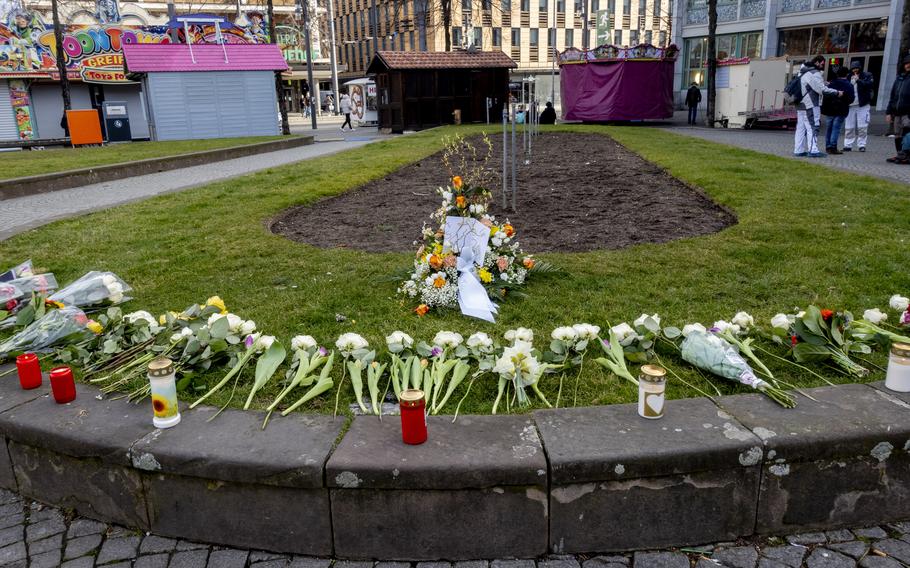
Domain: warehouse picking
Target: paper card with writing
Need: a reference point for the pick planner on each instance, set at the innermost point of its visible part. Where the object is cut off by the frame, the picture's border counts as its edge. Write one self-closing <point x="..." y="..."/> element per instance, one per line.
<point x="464" y="234"/>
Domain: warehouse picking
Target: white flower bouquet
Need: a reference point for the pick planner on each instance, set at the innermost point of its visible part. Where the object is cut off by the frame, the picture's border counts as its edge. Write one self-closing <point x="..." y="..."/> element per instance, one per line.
<point x="93" y="290"/>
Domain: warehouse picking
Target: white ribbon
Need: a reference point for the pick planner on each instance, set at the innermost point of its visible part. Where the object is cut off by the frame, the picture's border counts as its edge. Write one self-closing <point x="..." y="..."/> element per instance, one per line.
<point x="472" y="296"/>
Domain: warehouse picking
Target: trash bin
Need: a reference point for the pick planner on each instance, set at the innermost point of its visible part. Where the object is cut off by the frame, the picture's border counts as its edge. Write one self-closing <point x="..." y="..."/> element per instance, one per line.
<point x="457" y="115"/>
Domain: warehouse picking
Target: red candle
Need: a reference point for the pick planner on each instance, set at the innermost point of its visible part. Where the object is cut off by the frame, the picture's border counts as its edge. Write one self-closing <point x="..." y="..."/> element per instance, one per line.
<point x="413" y="416"/>
<point x="63" y="385"/>
<point x="29" y="369"/>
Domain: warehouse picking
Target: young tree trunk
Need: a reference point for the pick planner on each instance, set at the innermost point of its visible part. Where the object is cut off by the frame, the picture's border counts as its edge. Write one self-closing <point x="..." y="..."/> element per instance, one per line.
<point x="446" y="6"/>
<point x="905" y="38"/>
<point x="712" y="61"/>
<point x="279" y="87"/>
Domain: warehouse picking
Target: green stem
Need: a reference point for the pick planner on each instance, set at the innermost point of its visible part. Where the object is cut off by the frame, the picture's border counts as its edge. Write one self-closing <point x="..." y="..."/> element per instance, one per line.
<point x="559" y="392"/>
<point x="344" y="368"/>
<point x="581" y="368"/>
<point x="795" y="364"/>
<point x="457" y="408"/>
<point x="232" y="373"/>
<point x="683" y="381"/>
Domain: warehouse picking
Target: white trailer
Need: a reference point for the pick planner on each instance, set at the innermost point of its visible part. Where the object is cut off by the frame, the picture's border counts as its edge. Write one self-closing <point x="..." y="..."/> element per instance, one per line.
<point x="751" y="93"/>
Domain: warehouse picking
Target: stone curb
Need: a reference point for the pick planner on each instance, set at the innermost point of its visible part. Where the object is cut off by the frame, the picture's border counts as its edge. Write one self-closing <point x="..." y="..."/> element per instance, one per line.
<point x="45" y="183"/>
<point x="567" y="481"/>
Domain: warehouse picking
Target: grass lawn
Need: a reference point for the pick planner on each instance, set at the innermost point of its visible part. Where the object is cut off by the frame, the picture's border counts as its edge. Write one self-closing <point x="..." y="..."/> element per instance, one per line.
<point x="59" y="159"/>
<point x="806" y="234"/>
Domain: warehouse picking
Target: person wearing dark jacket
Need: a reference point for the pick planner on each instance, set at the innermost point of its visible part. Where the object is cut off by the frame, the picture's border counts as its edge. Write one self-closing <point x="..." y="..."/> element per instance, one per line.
<point x="693" y="97"/>
<point x="837" y="109"/>
<point x="857" y="124"/>
<point x="548" y="116"/>
<point x="898" y="112"/>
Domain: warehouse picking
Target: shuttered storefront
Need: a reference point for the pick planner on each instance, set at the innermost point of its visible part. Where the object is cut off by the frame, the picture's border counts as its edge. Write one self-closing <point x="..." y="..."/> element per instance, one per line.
<point x="8" y="129"/>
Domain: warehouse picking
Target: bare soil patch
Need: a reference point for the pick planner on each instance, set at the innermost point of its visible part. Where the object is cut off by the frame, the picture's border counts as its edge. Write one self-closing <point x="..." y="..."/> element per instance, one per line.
<point x="580" y="192"/>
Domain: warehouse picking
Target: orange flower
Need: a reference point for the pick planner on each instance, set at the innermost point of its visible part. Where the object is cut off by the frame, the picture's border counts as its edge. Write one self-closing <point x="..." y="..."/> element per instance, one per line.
<point x="439" y="282"/>
<point x="422" y="309"/>
<point x="509" y="229"/>
<point x="460" y="201"/>
<point x="456" y="182"/>
<point x="435" y="261"/>
<point x="528" y="262"/>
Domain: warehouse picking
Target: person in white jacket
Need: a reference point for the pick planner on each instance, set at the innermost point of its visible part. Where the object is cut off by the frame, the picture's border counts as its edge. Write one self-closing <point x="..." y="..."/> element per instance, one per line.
<point x="345" y="107"/>
<point x="808" y="110"/>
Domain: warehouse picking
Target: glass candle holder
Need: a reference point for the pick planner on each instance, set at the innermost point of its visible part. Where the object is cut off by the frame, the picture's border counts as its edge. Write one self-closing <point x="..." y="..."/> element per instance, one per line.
<point x="164" y="393"/>
<point x="62" y="385"/>
<point x="413" y="416"/>
<point x="29" y="369"/>
<point x="898" y="376"/>
<point x="652" y="384"/>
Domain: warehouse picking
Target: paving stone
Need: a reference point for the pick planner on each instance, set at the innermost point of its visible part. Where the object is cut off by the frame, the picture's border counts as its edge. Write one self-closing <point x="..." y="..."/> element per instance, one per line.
<point x="189" y="559"/>
<point x="118" y="549"/>
<point x="824" y="558"/>
<point x="768" y="563"/>
<point x="706" y="563"/>
<point x="310" y="562"/>
<point x="565" y="562"/>
<point x="81" y="546"/>
<point x="7" y="496"/>
<point x="84" y="562"/>
<point x="841" y="535"/>
<point x="49" y="559"/>
<point x="871" y="532"/>
<point x="902" y="528"/>
<point x="893" y="547"/>
<point x="606" y="562"/>
<point x="114" y="531"/>
<point x="12" y="553"/>
<point x="50" y="543"/>
<point x="119" y="565"/>
<point x="507" y="563"/>
<point x="855" y="549"/>
<point x="807" y="538"/>
<point x="44" y="529"/>
<point x="738" y="557"/>
<point x="404" y="564"/>
<point x="434" y="565"/>
<point x="187" y="545"/>
<point x="45" y="514"/>
<point x="660" y="560"/>
<point x="83" y="527"/>
<point x="11" y="535"/>
<point x="10" y="509"/>
<point x="466" y="564"/>
<point x="279" y="563"/>
<point x="262" y="555"/>
<point x="153" y="544"/>
<point x="879" y="562"/>
<point x="151" y="561"/>
<point x="12" y="520"/>
<point x="791" y="556"/>
<point x="231" y="558"/>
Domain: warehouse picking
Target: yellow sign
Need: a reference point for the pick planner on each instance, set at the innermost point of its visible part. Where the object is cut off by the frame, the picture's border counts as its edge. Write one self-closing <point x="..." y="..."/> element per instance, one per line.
<point x="103" y="69"/>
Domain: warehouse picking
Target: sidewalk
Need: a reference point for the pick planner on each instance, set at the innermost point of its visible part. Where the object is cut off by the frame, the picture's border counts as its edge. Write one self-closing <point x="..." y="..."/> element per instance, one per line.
<point x="23" y="213"/>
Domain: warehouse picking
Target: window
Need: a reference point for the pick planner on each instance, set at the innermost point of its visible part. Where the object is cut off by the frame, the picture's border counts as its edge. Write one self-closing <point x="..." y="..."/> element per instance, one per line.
<point x="611" y="7"/>
<point x="617" y="37"/>
<point x="466" y="5"/>
<point x="561" y="6"/>
<point x="551" y="39"/>
<point x="627" y="7"/>
<point x="525" y="5"/>
<point x="535" y="37"/>
<point x="647" y="36"/>
<point x="506" y="6"/>
<point x="497" y="37"/>
<point x="633" y="37"/>
<point x="411" y="40"/>
<point x="579" y="8"/>
<point x="516" y="37"/>
<point x="751" y="45"/>
<point x="794" y="42"/>
<point x="661" y="38"/>
<point x="868" y="36"/>
<point x="726" y="48"/>
<point x="478" y="37"/>
<point x="595" y="6"/>
<point x="642" y="7"/>
<point x="657" y="8"/>
<point x="570" y="38"/>
<point x="456" y="35"/>
<point x="486" y="5"/>
<point x="543" y="6"/>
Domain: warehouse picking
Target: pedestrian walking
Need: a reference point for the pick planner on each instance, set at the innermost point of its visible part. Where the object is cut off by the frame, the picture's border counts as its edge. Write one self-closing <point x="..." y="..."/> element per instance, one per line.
<point x="898" y="114"/>
<point x="808" y="110"/>
<point x="836" y="108"/>
<point x="345" y="106"/>
<point x="693" y="97"/>
<point x="857" y="124"/>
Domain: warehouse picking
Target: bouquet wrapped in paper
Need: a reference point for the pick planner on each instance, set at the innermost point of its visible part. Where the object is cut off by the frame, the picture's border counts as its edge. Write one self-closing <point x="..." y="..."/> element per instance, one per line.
<point x="94" y="290"/>
<point x="18" y="271"/>
<point x="711" y="353"/>
<point x="56" y="327"/>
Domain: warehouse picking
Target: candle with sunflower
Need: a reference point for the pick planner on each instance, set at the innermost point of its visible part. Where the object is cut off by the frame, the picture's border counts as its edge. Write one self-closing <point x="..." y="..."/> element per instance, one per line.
<point x="164" y="393"/>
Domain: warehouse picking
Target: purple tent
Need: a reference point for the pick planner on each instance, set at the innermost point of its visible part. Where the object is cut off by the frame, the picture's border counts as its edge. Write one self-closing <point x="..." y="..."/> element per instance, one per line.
<point x="610" y="83"/>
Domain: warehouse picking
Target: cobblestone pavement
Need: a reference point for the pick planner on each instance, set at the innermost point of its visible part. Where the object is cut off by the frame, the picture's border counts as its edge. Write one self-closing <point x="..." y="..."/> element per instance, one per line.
<point x="23" y="213"/>
<point x="780" y="143"/>
<point x="36" y="536"/>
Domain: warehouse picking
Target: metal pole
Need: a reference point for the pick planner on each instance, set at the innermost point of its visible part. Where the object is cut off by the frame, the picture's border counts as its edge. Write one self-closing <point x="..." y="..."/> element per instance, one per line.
<point x="332" y="60"/>
<point x="514" y="184"/>
<point x="172" y="21"/>
<point x="61" y="63"/>
<point x="279" y="86"/>
<point x="505" y="150"/>
<point x="309" y="59"/>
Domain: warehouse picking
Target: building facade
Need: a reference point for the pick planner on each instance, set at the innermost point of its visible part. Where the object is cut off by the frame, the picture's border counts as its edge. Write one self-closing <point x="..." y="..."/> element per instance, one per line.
<point x="844" y="31"/>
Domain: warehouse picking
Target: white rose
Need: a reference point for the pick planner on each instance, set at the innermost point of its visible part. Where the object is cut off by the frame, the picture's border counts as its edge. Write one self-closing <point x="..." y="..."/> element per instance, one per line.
<point x="140" y="315"/>
<point x="265" y="341"/>
<point x="690" y="327"/>
<point x="875" y="316"/>
<point x="743" y="320"/>
<point x="520" y="334"/>
<point x="640" y="322"/>
<point x="448" y="339"/>
<point x="303" y="342"/>
<point x="586" y="331"/>
<point x="781" y="321"/>
<point x="899" y="303"/>
<point x="722" y="325"/>
<point x="247" y="327"/>
<point x="116" y="292"/>
<point x="624" y="333"/>
<point x="399" y="341"/>
<point x="108" y="280"/>
<point x="564" y="334"/>
<point x="186" y="332"/>
<point x="347" y="343"/>
<point x="234" y="322"/>
<point x="480" y="340"/>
